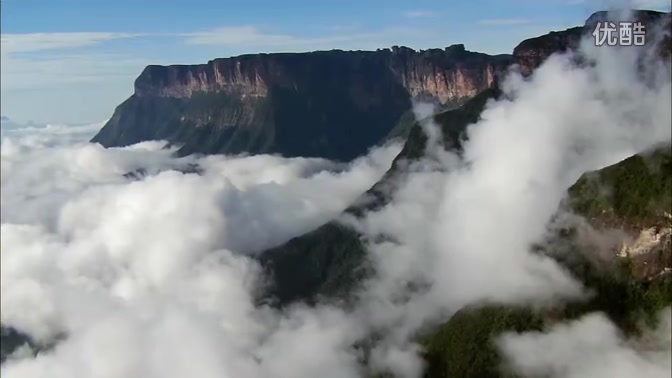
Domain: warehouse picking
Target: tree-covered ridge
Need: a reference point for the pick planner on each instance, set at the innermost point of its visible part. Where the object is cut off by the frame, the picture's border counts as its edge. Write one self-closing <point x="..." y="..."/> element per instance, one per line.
<point x="331" y="260"/>
<point x="634" y="192"/>
<point x="464" y="345"/>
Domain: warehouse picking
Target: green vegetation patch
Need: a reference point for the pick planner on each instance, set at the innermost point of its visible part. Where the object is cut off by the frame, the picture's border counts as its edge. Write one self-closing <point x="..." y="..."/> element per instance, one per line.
<point x="464" y="346"/>
<point x="637" y="190"/>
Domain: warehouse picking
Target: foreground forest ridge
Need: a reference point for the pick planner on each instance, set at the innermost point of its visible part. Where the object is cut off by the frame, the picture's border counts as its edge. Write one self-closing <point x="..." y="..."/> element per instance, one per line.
<point x="286" y="104"/>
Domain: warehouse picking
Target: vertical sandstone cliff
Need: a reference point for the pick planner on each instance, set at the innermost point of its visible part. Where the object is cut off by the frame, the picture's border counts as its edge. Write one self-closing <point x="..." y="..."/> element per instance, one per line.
<point x="332" y="104"/>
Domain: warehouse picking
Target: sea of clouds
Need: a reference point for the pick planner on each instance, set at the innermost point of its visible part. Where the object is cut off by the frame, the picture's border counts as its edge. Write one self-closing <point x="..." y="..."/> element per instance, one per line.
<point x="153" y="275"/>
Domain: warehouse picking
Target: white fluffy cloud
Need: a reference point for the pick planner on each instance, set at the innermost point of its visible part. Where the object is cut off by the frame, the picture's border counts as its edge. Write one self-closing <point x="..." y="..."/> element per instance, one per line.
<point x="464" y="234"/>
<point x="265" y="199"/>
<point x="154" y="270"/>
<point x="591" y="347"/>
<point x="521" y="157"/>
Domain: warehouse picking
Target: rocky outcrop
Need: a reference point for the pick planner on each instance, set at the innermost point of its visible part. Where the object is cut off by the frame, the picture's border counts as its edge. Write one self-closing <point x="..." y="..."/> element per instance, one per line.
<point x="447" y="75"/>
<point x="530" y="53"/>
<point x="634" y="213"/>
<point x="331" y="104"/>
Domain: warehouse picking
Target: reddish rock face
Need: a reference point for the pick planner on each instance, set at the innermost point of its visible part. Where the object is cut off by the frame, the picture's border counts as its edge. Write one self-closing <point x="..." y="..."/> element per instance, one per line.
<point x="332" y="104"/>
<point x="228" y="75"/>
<point x="446" y="76"/>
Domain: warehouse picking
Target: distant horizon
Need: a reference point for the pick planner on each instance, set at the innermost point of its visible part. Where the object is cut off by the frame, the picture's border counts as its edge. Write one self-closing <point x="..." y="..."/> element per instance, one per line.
<point x="74" y="62"/>
<point x="27" y="121"/>
<point x="9" y="117"/>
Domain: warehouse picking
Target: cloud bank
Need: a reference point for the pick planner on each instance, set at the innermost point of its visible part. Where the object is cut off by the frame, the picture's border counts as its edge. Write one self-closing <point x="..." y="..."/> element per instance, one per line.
<point x="463" y="233"/>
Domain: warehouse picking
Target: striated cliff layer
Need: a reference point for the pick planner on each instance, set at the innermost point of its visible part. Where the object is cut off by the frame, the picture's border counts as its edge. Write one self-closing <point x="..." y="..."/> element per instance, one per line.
<point x="448" y="76"/>
<point x="332" y="104"/>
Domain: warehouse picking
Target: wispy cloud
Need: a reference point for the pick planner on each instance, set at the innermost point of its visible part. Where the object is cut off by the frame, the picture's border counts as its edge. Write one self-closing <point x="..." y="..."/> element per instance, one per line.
<point x="239" y="35"/>
<point x="100" y="66"/>
<point x="39" y="59"/>
<point x="55" y="70"/>
<point x="342" y="28"/>
<point x="652" y="3"/>
<point x="419" y="13"/>
<point x="31" y="42"/>
<point x="66" y="70"/>
<point x="504" y="21"/>
<point x="626" y="4"/>
<point x="252" y="37"/>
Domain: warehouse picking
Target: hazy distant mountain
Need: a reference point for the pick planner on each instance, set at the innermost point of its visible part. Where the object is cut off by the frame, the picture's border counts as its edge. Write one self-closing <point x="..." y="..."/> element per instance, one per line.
<point x="8" y="123"/>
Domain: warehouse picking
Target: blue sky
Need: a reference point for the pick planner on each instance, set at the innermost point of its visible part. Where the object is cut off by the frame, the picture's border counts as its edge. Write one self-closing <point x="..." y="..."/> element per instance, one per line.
<point x="73" y="61"/>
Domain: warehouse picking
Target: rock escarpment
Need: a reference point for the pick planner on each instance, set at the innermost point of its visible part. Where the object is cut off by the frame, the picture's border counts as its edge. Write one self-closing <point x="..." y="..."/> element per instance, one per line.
<point x="530" y="53"/>
<point x="331" y="104"/>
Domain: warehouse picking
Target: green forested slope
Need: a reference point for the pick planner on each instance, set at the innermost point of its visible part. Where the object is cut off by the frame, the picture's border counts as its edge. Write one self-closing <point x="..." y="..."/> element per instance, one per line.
<point x="463" y="346"/>
<point x="331" y="260"/>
